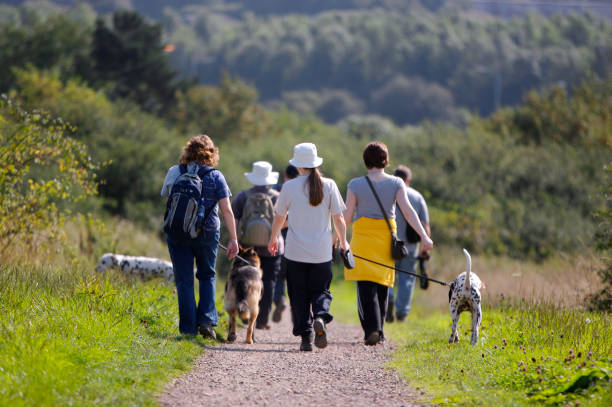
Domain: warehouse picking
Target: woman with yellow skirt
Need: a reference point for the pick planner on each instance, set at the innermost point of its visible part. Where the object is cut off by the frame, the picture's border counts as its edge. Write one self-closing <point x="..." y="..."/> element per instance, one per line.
<point x="372" y="239"/>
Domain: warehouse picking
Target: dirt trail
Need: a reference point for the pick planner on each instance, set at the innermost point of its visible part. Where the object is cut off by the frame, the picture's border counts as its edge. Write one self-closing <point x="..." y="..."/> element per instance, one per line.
<point x="273" y="372"/>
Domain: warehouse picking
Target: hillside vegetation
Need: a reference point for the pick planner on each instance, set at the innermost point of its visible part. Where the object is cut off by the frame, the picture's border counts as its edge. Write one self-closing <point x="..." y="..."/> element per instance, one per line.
<point x="524" y="182"/>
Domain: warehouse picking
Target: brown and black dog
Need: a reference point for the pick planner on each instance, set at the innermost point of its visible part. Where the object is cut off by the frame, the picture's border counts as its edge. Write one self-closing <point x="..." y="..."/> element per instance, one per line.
<point x="243" y="291"/>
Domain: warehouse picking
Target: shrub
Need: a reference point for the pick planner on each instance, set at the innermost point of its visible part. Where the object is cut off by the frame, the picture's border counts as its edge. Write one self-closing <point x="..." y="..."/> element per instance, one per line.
<point x="41" y="168"/>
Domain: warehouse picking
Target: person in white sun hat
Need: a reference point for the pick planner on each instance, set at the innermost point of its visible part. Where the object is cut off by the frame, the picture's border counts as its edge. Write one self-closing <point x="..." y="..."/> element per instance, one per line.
<point x="254" y="212"/>
<point x="311" y="201"/>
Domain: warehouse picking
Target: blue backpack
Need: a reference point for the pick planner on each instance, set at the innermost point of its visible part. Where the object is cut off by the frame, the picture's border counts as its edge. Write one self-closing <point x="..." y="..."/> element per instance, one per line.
<point x="185" y="209"/>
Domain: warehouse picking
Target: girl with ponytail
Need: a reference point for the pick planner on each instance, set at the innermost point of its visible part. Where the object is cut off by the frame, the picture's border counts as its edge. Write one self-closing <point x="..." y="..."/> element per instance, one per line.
<point x="313" y="201"/>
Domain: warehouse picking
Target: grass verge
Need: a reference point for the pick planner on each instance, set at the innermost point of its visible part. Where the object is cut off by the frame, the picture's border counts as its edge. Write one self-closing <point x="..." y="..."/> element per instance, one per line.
<point x="79" y="338"/>
<point x="527" y="355"/>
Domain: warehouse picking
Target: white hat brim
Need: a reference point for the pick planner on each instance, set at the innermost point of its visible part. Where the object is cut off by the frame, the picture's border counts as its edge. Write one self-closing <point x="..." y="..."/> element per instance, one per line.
<point x="271" y="179"/>
<point x="302" y="164"/>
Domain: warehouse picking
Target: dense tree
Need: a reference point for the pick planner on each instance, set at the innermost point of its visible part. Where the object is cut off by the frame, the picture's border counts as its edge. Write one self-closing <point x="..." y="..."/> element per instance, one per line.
<point x="130" y="56"/>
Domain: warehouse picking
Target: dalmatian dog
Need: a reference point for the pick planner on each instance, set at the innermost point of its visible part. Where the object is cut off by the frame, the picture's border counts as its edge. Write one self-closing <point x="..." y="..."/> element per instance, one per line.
<point x="145" y="267"/>
<point x="464" y="295"/>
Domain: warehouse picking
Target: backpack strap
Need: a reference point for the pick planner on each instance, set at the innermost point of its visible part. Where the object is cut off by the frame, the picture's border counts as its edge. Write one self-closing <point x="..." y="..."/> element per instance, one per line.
<point x="182" y="168"/>
<point x="203" y="171"/>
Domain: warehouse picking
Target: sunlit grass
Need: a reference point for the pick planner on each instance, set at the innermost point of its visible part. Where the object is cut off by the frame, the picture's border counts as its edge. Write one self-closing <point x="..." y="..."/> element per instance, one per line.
<point x="527" y="354"/>
<point x="71" y="337"/>
<point x="531" y="351"/>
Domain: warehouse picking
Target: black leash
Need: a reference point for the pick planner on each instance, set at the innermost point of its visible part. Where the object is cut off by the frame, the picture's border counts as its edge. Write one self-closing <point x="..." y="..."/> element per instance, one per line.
<point x="238" y="257"/>
<point x="403" y="271"/>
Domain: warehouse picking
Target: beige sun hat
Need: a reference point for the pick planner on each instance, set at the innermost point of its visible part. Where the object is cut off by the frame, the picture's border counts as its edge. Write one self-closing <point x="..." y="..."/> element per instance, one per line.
<point x="305" y="156"/>
<point x="262" y="174"/>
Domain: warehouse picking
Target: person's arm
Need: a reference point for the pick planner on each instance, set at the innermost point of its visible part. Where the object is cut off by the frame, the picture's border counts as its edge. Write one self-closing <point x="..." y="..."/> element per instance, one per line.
<point x="279" y="220"/>
<point x="351" y="203"/>
<point x="340" y="227"/>
<point x="412" y="218"/>
<point x="230" y="223"/>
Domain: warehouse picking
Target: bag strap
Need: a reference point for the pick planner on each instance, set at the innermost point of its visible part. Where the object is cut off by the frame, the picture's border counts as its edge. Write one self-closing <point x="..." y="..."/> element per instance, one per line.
<point x="205" y="172"/>
<point x="380" y="205"/>
<point x="202" y="174"/>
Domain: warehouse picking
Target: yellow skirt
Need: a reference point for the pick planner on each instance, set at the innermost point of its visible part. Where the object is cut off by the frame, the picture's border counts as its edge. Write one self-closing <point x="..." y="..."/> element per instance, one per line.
<point x="372" y="240"/>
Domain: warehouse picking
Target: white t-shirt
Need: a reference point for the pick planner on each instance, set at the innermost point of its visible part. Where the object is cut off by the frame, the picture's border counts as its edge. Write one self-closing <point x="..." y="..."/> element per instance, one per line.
<point x="309" y="235"/>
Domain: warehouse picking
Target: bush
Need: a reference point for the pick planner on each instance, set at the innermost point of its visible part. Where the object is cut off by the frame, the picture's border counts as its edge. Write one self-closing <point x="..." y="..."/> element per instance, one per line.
<point x="42" y="167"/>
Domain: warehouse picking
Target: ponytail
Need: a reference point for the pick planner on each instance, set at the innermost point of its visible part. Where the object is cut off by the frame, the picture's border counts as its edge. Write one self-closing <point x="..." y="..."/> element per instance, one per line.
<point x="315" y="187"/>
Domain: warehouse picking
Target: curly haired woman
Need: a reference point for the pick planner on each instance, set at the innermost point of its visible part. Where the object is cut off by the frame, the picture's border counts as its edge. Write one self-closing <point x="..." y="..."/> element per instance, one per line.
<point x="198" y="156"/>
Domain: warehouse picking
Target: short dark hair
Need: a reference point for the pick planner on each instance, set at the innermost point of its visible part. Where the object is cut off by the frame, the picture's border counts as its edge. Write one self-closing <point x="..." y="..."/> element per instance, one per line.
<point x="291" y="172"/>
<point x="403" y="172"/>
<point x="376" y="155"/>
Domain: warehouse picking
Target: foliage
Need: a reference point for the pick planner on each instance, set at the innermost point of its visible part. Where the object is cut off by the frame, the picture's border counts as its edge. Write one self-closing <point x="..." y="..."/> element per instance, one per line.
<point x="42" y="166"/>
<point x="226" y="112"/>
<point x="453" y="59"/>
<point x="137" y="147"/>
<point x="130" y="57"/>
<point x="527" y="354"/>
<point x="602" y="300"/>
<point x="28" y="43"/>
<point x="584" y="118"/>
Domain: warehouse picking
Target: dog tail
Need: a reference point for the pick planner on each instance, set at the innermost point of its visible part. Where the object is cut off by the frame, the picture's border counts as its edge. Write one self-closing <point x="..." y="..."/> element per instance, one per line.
<point x="468" y="269"/>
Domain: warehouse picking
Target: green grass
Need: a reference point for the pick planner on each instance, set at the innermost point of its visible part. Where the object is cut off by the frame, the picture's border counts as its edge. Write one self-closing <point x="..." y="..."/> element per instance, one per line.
<point x="71" y="337"/>
<point x="527" y="355"/>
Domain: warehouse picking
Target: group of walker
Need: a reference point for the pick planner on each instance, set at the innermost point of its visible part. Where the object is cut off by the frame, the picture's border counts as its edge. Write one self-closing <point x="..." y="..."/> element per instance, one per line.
<point x="304" y="210"/>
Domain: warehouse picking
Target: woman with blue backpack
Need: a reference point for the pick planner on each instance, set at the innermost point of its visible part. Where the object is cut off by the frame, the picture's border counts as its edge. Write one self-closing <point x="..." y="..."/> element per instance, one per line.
<point x="195" y="191"/>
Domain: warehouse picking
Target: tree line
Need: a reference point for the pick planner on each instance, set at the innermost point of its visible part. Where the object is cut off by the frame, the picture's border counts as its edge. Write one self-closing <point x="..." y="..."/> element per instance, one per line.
<point x="523" y="182"/>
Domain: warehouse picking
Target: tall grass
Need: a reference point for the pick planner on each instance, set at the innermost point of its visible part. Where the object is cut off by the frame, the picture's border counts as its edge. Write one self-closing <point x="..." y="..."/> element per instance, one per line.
<point x="69" y="337"/>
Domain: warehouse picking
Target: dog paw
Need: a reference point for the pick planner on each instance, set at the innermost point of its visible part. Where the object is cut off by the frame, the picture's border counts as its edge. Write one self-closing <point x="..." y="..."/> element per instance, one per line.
<point x="231" y="337"/>
<point x="249" y="341"/>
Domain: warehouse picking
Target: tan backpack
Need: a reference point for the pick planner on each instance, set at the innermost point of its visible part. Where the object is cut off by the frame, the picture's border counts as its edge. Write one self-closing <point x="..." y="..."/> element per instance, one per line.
<point x="255" y="225"/>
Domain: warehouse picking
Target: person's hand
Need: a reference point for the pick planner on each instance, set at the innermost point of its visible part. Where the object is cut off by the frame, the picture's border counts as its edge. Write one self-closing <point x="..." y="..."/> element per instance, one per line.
<point x="427" y="243"/>
<point x="345" y="246"/>
<point x="424" y="255"/>
<point x="232" y="249"/>
<point x="273" y="246"/>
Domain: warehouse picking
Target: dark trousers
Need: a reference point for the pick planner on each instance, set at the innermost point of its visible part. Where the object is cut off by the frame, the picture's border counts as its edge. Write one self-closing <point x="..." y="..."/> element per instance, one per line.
<point x="279" y="288"/>
<point x="372" y="299"/>
<point x="271" y="269"/>
<point x="204" y="250"/>
<point x="309" y="295"/>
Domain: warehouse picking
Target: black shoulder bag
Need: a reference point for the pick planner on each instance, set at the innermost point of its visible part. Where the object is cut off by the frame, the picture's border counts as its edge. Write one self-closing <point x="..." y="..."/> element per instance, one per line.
<point x="398" y="248"/>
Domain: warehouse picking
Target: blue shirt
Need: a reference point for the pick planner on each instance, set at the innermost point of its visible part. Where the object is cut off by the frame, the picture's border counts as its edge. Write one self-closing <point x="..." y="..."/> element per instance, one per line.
<point x="214" y="188"/>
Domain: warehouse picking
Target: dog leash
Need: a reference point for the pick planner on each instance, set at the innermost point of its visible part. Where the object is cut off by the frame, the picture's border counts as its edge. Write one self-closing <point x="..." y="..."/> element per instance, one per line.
<point x="238" y="257"/>
<point x="403" y="271"/>
<point x="371" y="261"/>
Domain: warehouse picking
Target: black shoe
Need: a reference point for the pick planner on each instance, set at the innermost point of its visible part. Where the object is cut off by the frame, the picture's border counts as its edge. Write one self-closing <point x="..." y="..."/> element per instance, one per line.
<point x="389" y="317"/>
<point x="207" y="331"/>
<point x="262" y="326"/>
<point x="320" y="339"/>
<point x="278" y="311"/>
<point x="401" y="318"/>
<point x="306" y="345"/>
<point x="373" y="338"/>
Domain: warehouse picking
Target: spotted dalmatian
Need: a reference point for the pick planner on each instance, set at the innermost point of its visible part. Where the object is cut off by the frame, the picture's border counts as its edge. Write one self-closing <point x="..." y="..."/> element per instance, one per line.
<point x="145" y="267"/>
<point x="464" y="295"/>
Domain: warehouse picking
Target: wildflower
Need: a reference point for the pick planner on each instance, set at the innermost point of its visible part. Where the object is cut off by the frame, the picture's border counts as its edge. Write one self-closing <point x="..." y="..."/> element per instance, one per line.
<point x="533" y="359"/>
<point x="588" y="320"/>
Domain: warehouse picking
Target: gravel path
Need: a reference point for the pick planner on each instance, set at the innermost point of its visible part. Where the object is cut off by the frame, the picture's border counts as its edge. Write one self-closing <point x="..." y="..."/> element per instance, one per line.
<point x="273" y="372"/>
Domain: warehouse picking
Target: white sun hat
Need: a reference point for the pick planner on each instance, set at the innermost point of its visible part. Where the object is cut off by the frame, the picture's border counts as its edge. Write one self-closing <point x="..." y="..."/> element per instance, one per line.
<point x="262" y="174"/>
<point x="305" y="156"/>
